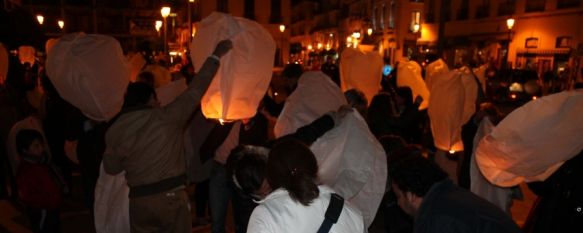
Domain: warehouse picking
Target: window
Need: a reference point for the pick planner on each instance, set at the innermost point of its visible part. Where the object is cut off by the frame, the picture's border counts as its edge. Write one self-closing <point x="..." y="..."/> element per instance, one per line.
<point x="223" y="6"/>
<point x="483" y="10"/>
<point x="249" y="9"/>
<point x="374" y="18"/>
<point x="392" y="15"/>
<point x="430" y="15"/>
<point x="535" y="5"/>
<point x="415" y="19"/>
<point x="383" y="16"/>
<point x="506" y="7"/>
<point x="275" y="11"/>
<point x="463" y="12"/>
<point x="561" y="4"/>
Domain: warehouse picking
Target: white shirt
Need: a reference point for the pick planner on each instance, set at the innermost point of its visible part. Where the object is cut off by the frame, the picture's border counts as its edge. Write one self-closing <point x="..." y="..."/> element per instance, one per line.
<point x="279" y="213"/>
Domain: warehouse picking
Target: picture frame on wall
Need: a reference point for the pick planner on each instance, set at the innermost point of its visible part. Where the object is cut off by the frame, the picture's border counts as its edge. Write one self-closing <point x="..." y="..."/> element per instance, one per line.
<point x="531" y="43"/>
<point x="563" y="42"/>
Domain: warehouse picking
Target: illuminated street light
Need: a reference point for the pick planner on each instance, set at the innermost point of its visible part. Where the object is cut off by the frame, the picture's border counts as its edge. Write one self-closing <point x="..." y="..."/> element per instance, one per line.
<point x="416" y="27"/>
<point x="356" y="35"/>
<point x="369" y="31"/>
<point x="319" y="45"/>
<point x="510" y="23"/>
<point x="282" y="29"/>
<point x="165" y="11"/>
<point x="158" y="25"/>
<point x="40" y="19"/>
<point x="310" y="48"/>
<point x="61" y="24"/>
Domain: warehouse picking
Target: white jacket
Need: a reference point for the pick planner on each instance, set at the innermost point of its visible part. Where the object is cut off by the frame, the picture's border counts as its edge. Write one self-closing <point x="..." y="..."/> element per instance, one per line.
<point x="279" y="213"/>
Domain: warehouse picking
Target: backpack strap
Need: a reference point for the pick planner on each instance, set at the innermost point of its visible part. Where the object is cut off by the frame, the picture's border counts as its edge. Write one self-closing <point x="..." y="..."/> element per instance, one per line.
<point x="332" y="213"/>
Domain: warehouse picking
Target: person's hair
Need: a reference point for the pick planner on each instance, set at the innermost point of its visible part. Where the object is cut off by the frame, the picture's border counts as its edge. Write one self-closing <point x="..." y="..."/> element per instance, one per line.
<point x="407" y="94"/>
<point x="24" y="139"/>
<point x="357" y="99"/>
<point x="391" y="143"/>
<point x="491" y="111"/>
<point x="146" y="77"/>
<point x="246" y="166"/>
<point x="381" y="109"/>
<point x="292" y="165"/>
<point x="415" y="173"/>
<point x="138" y="94"/>
<point x="578" y="85"/>
<point x="293" y="71"/>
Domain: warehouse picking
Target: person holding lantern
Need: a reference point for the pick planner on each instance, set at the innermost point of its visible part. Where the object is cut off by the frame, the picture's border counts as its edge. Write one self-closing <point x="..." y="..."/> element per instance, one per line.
<point x="146" y="141"/>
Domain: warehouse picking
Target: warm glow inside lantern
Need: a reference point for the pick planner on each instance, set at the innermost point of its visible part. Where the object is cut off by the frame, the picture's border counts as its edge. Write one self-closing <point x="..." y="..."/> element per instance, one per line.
<point x="245" y="71"/>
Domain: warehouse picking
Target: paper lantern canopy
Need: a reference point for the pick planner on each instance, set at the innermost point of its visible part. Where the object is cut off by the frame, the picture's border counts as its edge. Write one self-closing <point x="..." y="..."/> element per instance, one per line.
<point x="245" y="72"/>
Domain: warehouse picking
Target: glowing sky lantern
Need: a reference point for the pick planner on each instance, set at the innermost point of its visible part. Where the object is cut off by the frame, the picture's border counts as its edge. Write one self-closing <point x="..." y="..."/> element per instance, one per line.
<point x="361" y="69"/>
<point x="453" y="96"/>
<point x="245" y="72"/>
<point x="409" y="74"/>
<point x="26" y="54"/>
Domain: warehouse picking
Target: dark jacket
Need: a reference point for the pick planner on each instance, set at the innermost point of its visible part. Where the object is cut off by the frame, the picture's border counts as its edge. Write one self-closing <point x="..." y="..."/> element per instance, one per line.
<point x="448" y="208"/>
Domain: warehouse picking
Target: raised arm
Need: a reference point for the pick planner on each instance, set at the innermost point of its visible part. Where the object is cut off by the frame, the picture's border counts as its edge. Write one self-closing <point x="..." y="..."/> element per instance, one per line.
<point x="185" y="104"/>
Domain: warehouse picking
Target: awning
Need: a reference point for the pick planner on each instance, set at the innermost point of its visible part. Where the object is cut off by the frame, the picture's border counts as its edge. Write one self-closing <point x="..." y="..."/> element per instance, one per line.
<point x="544" y="52"/>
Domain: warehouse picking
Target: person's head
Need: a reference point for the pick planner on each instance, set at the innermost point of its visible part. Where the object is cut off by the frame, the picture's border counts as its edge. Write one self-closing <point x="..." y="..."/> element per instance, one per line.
<point x="412" y="177"/>
<point x="489" y="110"/>
<point x="381" y="108"/>
<point x="292" y="166"/>
<point x="146" y="77"/>
<point x="292" y="73"/>
<point x="30" y="143"/>
<point x="357" y="99"/>
<point x="404" y="96"/>
<point x="140" y="94"/>
<point x="247" y="167"/>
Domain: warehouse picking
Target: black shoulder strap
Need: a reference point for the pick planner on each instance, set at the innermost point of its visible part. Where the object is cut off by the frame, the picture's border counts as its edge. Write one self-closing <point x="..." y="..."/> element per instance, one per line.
<point x="332" y="213"/>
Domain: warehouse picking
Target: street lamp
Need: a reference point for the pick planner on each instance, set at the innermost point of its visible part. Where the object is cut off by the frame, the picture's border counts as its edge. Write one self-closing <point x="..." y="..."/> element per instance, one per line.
<point x="416" y="27"/>
<point x="369" y="31"/>
<point x="282" y="29"/>
<point x="61" y="24"/>
<point x="165" y="11"/>
<point x="40" y="19"/>
<point x="510" y="25"/>
<point x="190" y="32"/>
<point x="158" y="26"/>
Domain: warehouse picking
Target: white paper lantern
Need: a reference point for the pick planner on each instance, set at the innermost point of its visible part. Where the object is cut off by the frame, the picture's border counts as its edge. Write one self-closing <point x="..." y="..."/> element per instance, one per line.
<point x="361" y="69"/>
<point x="245" y="71"/>
<point x="90" y="72"/>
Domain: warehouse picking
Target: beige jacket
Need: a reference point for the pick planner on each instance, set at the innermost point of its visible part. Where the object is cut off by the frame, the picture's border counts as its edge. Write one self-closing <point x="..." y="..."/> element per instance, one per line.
<point x="149" y="143"/>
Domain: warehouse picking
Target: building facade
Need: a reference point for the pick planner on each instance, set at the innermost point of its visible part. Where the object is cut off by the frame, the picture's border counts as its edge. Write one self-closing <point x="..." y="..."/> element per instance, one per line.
<point x="319" y="27"/>
<point x="546" y="35"/>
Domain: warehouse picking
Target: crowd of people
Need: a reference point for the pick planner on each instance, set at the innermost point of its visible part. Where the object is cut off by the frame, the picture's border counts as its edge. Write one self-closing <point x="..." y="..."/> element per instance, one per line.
<point x="272" y="182"/>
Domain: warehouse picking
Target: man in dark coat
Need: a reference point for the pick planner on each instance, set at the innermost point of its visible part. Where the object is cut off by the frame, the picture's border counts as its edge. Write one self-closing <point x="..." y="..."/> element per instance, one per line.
<point x="437" y="205"/>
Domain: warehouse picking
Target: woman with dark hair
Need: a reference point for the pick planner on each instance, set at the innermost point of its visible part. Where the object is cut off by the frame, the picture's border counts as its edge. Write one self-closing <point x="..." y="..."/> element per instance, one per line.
<point x="298" y="203"/>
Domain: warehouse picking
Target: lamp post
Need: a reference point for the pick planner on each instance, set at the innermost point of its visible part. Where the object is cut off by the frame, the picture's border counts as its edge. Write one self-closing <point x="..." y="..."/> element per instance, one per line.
<point x="40" y="19"/>
<point x="510" y="25"/>
<point x="190" y="2"/>
<point x="282" y="29"/>
<point x="165" y="11"/>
